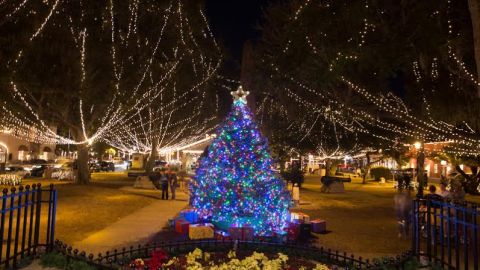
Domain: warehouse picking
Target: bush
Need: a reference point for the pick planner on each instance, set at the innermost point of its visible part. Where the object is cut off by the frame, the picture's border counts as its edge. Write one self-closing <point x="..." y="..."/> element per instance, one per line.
<point x="60" y="261"/>
<point x="53" y="259"/>
<point x="79" y="265"/>
<point x="295" y="175"/>
<point x="379" y="172"/>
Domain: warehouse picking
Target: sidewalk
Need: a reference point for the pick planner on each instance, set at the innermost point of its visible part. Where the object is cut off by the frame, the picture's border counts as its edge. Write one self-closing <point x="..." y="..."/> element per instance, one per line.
<point x="135" y="227"/>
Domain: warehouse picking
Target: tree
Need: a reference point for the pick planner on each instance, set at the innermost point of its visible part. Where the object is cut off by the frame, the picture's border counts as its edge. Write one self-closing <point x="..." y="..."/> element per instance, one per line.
<point x="95" y="67"/>
<point x="372" y="63"/>
<point x="474" y="8"/>
<point x="235" y="182"/>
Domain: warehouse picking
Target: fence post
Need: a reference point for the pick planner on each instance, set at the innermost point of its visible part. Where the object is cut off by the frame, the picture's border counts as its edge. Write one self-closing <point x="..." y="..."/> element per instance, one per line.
<point x="30" y="224"/>
<point x="10" y="220"/>
<point x="2" y="225"/>
<point x="25" y="216"/>
<point x="37" y="218"/>
<point x="17" y="229"/>
<point x="475" y="236"/>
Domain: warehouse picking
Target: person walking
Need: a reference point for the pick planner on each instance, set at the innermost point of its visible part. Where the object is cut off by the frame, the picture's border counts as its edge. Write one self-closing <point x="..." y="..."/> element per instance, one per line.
<point x="164" y="183"/>
<point x="403" y="211"/>
<point x="173" y="183"/>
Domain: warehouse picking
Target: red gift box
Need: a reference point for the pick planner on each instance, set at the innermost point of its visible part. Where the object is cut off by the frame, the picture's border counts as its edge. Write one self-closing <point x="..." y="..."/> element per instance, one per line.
<point x="319" y="226"/>
<point x="293" y="231"/>
<point x="181" y="226"/>
<point x="241" y="233"/>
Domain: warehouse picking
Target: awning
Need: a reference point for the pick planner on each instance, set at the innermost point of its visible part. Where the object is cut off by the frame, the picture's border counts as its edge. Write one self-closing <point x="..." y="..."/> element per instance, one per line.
<point x="22" y="148"/>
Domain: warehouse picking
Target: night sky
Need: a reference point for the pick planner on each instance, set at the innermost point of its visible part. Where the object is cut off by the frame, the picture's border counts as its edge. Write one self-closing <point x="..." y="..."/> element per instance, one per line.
<point x="234" y="22"/>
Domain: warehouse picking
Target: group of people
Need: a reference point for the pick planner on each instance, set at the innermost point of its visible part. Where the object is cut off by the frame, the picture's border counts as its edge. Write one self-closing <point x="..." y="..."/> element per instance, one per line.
<point x="165" y="179"/>
<point x="404" y="203"/>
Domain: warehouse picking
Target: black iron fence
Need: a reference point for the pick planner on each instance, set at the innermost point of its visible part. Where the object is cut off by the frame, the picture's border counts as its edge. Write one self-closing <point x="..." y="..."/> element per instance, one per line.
<point x="27" y="222"/>
<point x="446" y="233"/>
<point x="123" y="257"/>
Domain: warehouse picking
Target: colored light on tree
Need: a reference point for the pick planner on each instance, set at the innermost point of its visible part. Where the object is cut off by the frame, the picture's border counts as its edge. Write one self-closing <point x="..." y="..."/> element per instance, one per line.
<point x="235" y="183"/>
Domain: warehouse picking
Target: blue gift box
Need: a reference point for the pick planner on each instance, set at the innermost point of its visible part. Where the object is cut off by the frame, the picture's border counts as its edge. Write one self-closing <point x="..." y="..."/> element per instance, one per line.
<point x="190" y="215"/>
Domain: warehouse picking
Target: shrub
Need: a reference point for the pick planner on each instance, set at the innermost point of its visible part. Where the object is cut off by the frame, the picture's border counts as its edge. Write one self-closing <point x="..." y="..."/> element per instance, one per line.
<point x="79" y="265"/>
<point x="379" y="172"/>
<point x="295" y="175"/>
<point x="53" y="259"/>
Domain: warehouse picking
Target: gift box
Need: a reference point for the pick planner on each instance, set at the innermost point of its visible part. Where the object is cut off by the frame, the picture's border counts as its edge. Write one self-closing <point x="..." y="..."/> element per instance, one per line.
<point x="293" y="231"/>
<point x="304" y="232"/>
<point x="299" y="216"/>
<point x="319" y="226"/>
<point x="280" y="236"/>
<point x="222" y="236"/>
<point x="190" y="215"/>
<point x="241" y="233"/>
<point x="201" y="231"/>
<point x="181" y="226"/>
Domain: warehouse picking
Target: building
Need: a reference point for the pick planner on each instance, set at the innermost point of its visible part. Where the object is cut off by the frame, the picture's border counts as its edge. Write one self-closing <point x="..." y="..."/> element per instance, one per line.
<point x="13" y="149"/>
<point x="186" y="155"/>
<point x="434" y="167"/>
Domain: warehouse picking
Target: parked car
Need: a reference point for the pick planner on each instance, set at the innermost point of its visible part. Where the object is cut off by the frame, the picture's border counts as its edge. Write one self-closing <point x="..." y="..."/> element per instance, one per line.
<point x="38" y="170"/>
<point x="94" y="167"/>
<point x="106" y="166"/>
<point x="17" y="170"/>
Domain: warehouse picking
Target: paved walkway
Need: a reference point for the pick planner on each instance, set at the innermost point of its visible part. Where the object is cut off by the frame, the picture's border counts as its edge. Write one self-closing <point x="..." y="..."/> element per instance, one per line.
<point x="135" y="227"/>
<point x="132" y="229"/>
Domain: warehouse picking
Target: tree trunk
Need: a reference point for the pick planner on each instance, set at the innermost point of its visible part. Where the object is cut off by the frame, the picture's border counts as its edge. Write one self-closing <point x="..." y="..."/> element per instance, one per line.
<point x="367" y="169"/>
<point x="420" y="173"/>
<point x="474" y="7"/>
<point x="328" y="164"/>
<point x="152" y="157"/>
<point x="83" y="171"/>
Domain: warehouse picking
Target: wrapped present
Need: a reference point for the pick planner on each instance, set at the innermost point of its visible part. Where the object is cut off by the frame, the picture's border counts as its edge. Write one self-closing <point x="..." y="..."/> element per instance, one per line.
<point x="190" y="215"/>
<point x="241" y="233"/>
<point x="304" y="232"/>
<point x="281" y="236"/>
<point x="292" y="231"/>
<point x="181" y="226"/>
<point x="298" y="221"/>
<point x="201" y="231"/>
<point x="319" y="226"/>
<point x="222" y="236"/>
<point x="301" y="216"/>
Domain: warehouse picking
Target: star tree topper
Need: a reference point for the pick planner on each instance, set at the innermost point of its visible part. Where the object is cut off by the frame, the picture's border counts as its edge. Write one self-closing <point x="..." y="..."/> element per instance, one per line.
<point x="240" y="94"/>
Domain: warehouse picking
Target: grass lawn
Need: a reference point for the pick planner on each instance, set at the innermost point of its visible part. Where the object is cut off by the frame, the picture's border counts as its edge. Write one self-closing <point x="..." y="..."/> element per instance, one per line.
<point x="362" y="220"/>
<point x="85" y="209"/>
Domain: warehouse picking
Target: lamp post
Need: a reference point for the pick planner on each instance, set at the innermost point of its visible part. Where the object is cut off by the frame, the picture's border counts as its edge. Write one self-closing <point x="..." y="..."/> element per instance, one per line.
<point x="420" y="166"/>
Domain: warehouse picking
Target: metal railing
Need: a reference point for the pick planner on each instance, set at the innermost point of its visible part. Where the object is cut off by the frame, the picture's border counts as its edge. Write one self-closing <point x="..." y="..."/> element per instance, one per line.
<point x="119" y="258"/>
<point x="446" y="233"/>
<point x="24" y="226"/>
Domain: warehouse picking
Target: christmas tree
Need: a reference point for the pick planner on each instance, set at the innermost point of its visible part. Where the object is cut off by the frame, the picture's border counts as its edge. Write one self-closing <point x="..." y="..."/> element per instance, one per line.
<point x="234" y="183"/>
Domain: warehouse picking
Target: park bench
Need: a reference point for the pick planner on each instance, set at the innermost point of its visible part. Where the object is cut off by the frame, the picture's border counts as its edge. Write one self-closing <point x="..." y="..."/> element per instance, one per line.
<point x="334" y="184"/>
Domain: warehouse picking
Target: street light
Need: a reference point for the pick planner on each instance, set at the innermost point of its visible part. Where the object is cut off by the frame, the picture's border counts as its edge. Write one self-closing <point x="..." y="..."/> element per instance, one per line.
<point x="418" y="145"/>
<point x="420" y="165"/>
